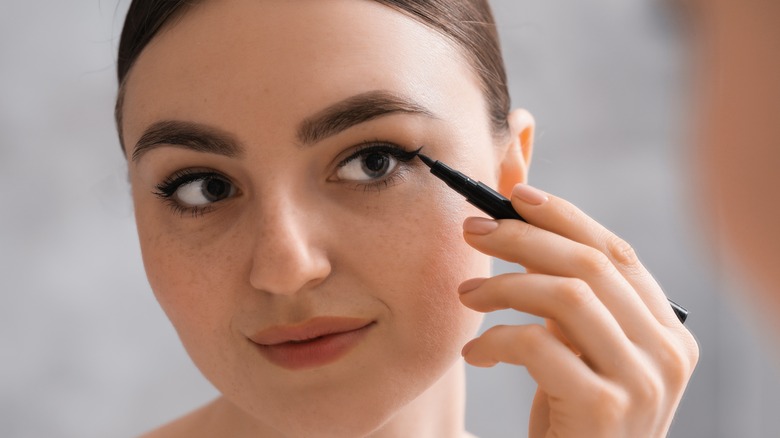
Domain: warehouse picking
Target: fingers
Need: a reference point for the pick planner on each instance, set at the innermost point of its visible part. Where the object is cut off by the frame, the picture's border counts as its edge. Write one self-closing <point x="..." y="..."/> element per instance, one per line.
<point x="570" y="303"/>
<point x="550" y="363"/>
<point x="613" y="353"/>
<point x="561" y="217"/>
<point x="549" y="253"/>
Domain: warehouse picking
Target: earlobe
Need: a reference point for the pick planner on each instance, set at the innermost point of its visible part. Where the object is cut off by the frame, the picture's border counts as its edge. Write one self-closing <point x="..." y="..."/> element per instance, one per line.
<point x="517" y="152"/>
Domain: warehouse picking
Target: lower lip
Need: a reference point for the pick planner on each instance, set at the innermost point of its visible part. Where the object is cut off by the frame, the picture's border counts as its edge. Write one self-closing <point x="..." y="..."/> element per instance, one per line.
<point x="314" y="353"/>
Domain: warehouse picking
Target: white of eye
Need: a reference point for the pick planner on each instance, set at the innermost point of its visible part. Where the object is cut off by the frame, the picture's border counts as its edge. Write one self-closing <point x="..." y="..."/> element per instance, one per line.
<point x="368" y="167"/>
<point x="204" y="191"/>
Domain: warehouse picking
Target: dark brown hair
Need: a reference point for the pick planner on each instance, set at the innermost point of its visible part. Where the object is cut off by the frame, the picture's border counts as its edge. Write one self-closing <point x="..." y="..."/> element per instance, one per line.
<point x="468" y="24"/>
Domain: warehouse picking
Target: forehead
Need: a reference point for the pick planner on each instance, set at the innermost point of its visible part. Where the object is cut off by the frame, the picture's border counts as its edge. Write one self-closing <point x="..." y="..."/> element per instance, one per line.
<point x="234" y="62"/>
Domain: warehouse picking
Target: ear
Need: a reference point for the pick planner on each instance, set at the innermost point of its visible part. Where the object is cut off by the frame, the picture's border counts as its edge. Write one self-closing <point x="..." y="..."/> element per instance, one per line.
<point x="517" y="152"/>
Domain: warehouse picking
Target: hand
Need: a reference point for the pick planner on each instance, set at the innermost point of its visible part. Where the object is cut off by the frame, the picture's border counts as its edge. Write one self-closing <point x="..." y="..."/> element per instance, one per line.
<point x="613" y="360"/>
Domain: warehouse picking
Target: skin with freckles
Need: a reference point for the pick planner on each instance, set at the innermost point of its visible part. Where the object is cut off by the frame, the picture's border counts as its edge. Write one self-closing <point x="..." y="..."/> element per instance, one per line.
<point x="270" y="151"/>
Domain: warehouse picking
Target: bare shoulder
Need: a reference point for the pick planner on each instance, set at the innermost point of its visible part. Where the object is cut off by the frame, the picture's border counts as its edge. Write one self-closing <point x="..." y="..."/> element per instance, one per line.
<point x="198" y="423"/>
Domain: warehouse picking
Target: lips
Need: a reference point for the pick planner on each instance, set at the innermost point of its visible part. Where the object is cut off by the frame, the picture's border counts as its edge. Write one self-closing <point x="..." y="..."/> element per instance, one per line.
<point x="313" y="343"/>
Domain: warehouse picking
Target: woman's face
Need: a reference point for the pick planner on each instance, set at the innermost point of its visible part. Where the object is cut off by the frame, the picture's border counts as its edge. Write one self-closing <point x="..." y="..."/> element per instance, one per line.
<point x="261" y="140"/>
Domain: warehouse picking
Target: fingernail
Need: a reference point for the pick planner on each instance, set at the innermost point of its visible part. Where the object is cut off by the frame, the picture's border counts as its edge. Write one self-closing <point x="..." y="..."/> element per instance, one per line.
<point x="479" y="225"/>
<point x="466" y="348"/>
<point x="470" y="285"/>
<point x="530" y="195"/>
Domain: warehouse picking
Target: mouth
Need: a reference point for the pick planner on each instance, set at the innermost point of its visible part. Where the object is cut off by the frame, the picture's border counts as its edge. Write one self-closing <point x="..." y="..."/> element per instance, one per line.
<point x="313" y="343"/>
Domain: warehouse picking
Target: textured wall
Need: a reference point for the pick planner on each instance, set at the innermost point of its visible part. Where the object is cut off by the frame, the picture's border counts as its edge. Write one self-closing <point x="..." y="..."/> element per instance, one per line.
<point x="85" y="350"/>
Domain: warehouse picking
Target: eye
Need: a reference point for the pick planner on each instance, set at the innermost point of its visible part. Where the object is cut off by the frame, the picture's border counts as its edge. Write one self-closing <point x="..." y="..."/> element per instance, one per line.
<point x="194" y="191"/>
<point x="203" y="191"/>
<point x="368" y="166"/>
<point x="373" y="162"/>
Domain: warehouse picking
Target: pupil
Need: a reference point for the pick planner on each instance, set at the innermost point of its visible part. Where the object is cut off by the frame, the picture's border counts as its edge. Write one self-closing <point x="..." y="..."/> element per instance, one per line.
<point x="215" y="189"/>
<point x="375" y="164"/>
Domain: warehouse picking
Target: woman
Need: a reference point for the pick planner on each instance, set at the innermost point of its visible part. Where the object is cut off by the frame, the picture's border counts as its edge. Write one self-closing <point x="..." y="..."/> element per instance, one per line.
<point x="309" y="262"/>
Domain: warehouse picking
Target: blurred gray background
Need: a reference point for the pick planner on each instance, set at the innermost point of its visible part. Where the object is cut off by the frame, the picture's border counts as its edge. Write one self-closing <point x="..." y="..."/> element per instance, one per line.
<point x="86" y="352"/>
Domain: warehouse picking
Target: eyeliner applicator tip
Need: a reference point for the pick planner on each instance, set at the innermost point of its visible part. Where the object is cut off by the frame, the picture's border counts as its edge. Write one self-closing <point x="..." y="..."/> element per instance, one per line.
<point x="425" y="160"/>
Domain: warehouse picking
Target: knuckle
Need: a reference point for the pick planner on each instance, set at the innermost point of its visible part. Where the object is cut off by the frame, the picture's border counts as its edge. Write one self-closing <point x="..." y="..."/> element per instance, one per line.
<point x="517" y="232"/>
<point x="621" y="252"/>
<point x="533" y="337"/>
<point x="610" y="404"/>
<point x="570" y="213"/>
<point x="693" y="351"/>
<point x="676" y="363"/>
<point x="593" y="261"/>
<point x="648" y="392"/>
<point x="575" y="293"/>
<point x="521" y="231"/>
<point x="690" y="348"/>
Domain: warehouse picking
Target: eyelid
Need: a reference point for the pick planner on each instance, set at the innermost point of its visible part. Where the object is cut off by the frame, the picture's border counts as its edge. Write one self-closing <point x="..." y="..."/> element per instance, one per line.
<point x="401" y="154"/>
<point x="398" y="152"/>
<point x="171" y="183"/>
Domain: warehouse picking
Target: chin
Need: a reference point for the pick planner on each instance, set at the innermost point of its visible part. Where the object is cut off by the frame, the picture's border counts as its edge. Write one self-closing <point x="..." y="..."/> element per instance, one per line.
<point x="368" y="403"/>
<point x="359" y="417"/>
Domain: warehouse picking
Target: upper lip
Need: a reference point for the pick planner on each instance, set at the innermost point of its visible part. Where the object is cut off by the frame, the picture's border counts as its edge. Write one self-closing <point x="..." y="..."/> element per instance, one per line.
<point x="307" y="330"/>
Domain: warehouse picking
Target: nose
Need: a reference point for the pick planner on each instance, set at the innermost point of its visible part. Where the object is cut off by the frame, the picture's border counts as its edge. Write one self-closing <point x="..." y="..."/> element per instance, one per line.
<point x="287" y="255"/>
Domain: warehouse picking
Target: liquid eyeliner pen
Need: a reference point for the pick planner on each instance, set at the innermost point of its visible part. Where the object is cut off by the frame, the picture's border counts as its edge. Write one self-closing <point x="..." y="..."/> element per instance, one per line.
<point x="493" y="203"/>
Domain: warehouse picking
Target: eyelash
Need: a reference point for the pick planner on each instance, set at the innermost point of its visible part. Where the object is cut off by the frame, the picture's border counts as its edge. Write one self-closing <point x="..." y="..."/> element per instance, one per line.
<point x="167" y="188"/>
<point x="397" y="152"/>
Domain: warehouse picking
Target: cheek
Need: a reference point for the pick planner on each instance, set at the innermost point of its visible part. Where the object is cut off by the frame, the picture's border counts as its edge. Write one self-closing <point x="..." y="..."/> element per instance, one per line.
<point x="190" y="282"/>
<point x="439" y="319"/>
<point x="415" y="265"/>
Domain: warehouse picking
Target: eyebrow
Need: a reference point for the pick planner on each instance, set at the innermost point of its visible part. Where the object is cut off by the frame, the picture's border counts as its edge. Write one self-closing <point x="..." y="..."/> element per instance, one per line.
<point x="355" y="110"/>
<point x="330" y="121"/>
<point x="188" y="135"/>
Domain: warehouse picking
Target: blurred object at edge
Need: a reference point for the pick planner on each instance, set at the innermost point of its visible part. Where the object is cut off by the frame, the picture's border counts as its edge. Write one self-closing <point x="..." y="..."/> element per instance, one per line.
<point x="737" y="153"/>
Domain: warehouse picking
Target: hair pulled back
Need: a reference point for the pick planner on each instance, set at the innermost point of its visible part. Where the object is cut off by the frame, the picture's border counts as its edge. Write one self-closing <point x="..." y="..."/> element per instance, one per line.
<point x="467" y="23"/>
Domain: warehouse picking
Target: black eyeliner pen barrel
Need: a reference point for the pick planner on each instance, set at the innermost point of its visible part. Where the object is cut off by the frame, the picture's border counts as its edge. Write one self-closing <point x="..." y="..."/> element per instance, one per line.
<point x="450" y="176"/>
<point x="493" y="203"/>
<point x="477" y="193"/>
